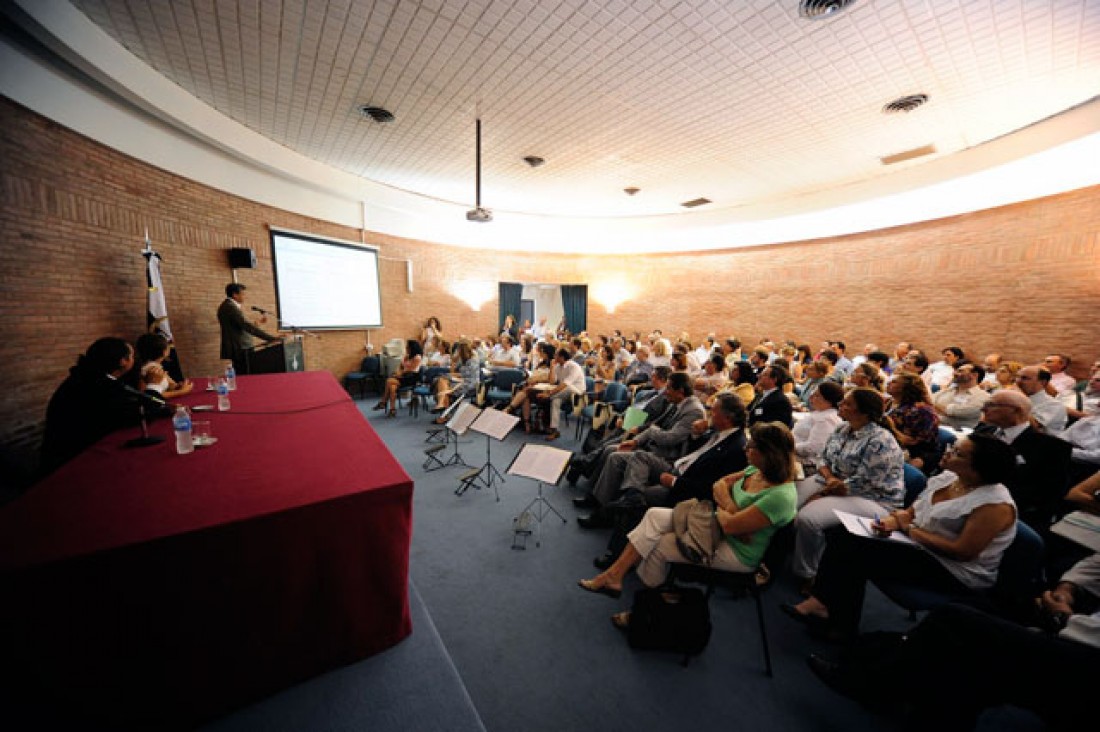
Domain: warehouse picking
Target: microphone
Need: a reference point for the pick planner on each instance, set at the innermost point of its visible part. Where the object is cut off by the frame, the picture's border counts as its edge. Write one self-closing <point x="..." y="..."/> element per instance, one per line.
<point x="142" y="395"/>
<point x="261" y="311"/>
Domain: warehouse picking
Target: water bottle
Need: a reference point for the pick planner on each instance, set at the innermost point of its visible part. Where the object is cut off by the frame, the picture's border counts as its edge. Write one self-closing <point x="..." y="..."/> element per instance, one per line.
<point x="223" y="396"/>
<point x="181" y="422"/>
<point x="231" y="376"/>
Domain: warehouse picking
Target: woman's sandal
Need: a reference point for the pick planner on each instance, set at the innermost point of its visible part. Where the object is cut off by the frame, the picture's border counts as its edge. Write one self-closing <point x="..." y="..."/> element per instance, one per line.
<point x="378" y="406"/>
<point x="552" y="435"/>
<point x="590" y="585"/>
<point x="621" y="620"/>
<point x="391" y="413"/>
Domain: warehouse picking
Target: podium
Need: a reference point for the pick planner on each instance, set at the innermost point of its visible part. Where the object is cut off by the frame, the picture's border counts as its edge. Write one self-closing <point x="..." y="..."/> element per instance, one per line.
<point x="277" y="358"/>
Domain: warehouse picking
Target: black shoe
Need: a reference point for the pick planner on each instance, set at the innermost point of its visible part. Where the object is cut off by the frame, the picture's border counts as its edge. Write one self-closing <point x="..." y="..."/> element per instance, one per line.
<point x="571" y="477"/>
<point x="631" y="499"/>
<point x="833" y="676"/>
<point x="604" y="561"/>
<point x="595" y="520"/>
<point x="587" y="501"/>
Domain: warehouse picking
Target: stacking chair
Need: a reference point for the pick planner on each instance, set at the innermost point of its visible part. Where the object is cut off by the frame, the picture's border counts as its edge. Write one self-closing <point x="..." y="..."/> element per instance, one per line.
<point x="740" y="583"/>
<point x="1018" y="582"/>
<point x="502" y="386"/>
<point x="423" y="390"/>
<point x="369" y="375"/>
<point x="915" y="483"/>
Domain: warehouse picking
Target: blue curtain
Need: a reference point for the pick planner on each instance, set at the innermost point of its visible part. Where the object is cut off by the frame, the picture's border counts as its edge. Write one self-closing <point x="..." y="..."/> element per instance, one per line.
<point x="510" y="295"/>
<point x="574" y="300"/>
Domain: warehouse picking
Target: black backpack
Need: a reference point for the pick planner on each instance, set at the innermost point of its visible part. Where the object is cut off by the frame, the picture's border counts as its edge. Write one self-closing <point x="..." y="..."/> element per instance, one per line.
<point x="676" y="619"/>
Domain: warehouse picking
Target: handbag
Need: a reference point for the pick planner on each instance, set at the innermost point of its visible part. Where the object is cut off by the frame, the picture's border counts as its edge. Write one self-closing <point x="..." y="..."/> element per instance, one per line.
<point x="676" y="620"/>
<point x="697" y="530"/>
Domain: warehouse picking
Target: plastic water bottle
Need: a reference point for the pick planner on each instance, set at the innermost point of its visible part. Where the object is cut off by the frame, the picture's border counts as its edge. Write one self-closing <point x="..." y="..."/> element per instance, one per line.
<point x="223" y="396"/>
<point x="231" y="376"/>
<point x="181" y="423"/>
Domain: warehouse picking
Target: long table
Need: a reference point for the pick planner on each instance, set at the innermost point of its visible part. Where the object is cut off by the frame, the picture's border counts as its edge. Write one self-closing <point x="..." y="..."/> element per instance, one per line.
<point x="146" y="587"/>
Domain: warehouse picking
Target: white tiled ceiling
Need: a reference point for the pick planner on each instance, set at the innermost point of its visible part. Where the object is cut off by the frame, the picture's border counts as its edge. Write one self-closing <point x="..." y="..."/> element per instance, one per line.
<point x="741" y="102"/>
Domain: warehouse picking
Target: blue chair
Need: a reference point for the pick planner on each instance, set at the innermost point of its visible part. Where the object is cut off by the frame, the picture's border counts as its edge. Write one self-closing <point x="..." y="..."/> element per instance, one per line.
<point x="369" y="374"/>
<point x="502" y="385"/>
<point x="423" y="390"/>
<point x="1019" y="580"/>
<point x="915" y="483"/>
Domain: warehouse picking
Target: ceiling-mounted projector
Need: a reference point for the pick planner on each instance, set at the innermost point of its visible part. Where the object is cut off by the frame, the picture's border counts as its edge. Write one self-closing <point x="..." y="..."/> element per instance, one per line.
<point x="481" y="215"/>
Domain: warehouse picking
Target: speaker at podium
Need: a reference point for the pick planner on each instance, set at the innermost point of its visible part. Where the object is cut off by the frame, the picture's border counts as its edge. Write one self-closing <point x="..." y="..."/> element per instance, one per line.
<point x="277" y="358"/>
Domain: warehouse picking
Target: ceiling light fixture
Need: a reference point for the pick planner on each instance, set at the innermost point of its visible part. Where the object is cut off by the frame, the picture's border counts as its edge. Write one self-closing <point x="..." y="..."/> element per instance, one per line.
<point x="904" y="104"/>
<point x="631" y="190"/>
<point x="695" y="202"/>
<point x="534" y="161"/>
<point x="477" y="213"/>
<point x="822" y="9"/>
<point x="378" y="114"/>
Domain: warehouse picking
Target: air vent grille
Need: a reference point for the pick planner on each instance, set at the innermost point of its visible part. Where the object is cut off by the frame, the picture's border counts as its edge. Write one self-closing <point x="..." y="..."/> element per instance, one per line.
<point x="378" y="114"/>
<point x="822" y="9"/>
<point x="905" y="104"/>
<point x="695" y="203"/>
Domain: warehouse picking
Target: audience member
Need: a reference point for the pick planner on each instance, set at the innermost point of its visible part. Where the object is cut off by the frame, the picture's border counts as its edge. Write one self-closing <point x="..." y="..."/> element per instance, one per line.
<point x="771" y="405"/>
<point x="751" y="505"/>
<point x="861" y="472"/>
<point x="1048" y="412"/>
<point x="916" y="424"/>
<point x="940" y="374"/>
<point x="814" y="429"/>
<point x="960" y="404"/>
<point x="152" y="349"/>
<point x="1060" y="381"/>
<point x="964" y="520"/>
<point x="406" y="377"/>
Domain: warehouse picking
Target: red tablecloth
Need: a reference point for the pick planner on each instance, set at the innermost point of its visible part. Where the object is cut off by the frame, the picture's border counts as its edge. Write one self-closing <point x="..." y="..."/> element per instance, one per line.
<point x="154" y="586"/>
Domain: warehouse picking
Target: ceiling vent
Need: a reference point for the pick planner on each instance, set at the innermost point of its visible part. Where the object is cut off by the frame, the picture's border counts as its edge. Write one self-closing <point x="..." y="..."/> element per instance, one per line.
<point x="695" y="203"/>
<point x="916" y="152"/>
<point x="905" y="104"/>
<point x="632" y="190"/>
<point x="534" y="161"/>
<point x="378" y="114"/>
<point x="822" y="9"/>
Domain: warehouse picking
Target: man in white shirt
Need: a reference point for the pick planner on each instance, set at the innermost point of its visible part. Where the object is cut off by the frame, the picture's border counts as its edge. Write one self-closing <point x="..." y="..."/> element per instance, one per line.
<point x="991" y="363"/>
<point x="508" y="357"/>
<point x="1086" y="403"/>
<point x="901" y="350"/>
<point x="539" y="331"/>
<point x="1060" y="381"/>
<point x="960" y="404"/>
<point x="1084" y="435"/>
<point x="940" y="374"/>
<point x="705" y="349"/>
<point x="1045" y="409"/>
<point x="568" y="379"/>
<point x="867" y="351"/>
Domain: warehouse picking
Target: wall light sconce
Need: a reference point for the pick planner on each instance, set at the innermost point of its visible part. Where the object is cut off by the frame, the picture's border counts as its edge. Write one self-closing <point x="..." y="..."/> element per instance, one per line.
<point x="612" y="293"/>
<point x="474" y="293"/>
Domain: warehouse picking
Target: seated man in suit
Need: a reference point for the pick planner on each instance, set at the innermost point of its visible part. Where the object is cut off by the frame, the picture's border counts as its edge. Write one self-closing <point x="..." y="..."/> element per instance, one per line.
<point x="1042" y="463"/>
<point x="772" y="405"/>
<point x="714" y="455"/>
<point x="598" y="445"/>
<point x="1047" y="411"/>
<point x="654" y="449"/>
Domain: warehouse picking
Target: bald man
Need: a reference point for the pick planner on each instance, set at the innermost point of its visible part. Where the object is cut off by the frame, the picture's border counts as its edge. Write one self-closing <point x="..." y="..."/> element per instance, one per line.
<point x="1042" y="460"/>
<point x="1045" y="409"/>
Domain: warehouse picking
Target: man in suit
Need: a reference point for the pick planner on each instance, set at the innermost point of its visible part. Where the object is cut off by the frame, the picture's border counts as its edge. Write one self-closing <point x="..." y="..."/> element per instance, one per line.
<point x="771" y="405"/>
<point x="1043" y="461"/>
<point x="714" y="455"/>
<point x="237" y="331"/>
<point x="653" y="402"/>
<point x="653" y="450"/>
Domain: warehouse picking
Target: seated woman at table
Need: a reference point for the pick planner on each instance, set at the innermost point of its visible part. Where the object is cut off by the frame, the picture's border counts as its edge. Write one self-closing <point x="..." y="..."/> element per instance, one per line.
<point x="152" y="349"/>
<point x="862" y="472"/>
<point x="965" y="520"/>
<point x="461" y="382"/>
<point x="91" y="403"/>
<point x="405" y="377"/>
<point x="916" y="424"/>
<point x="752" y="505"/>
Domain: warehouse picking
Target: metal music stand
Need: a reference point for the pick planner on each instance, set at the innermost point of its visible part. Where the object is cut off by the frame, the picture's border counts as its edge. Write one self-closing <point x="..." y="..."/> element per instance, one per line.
<point x="495" y="426"/>
<point x="544" y="465"/>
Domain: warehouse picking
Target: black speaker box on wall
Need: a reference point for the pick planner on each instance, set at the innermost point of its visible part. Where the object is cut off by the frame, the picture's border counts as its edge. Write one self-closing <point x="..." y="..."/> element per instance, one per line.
<point x="242" y="258"/>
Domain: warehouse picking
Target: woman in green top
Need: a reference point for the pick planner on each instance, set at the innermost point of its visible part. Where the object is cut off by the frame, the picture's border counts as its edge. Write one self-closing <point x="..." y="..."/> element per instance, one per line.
<point x="751" y="506"/>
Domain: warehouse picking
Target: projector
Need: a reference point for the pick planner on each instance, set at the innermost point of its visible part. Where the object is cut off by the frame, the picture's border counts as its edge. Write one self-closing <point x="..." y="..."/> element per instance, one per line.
<point x="480" y="215"/>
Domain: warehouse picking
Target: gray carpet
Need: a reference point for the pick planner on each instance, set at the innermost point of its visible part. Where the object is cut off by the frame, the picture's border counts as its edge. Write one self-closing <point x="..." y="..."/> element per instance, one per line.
<point x="538" y="653"/>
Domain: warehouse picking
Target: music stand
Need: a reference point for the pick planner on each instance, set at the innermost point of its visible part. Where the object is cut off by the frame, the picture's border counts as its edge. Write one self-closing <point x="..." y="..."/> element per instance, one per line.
<point x="457" y="425"/>
<point x="495" y="426"/>
<point x="542" y="464"/>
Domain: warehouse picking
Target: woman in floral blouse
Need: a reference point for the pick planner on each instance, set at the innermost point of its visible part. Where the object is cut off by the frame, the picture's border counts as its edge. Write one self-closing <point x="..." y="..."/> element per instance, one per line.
<point x="916" y="424"/>
<point x="861" y="471"/>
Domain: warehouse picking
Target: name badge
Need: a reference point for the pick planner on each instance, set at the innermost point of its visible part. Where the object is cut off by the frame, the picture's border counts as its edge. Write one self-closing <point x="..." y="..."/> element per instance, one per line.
<point x="759" y="410"/>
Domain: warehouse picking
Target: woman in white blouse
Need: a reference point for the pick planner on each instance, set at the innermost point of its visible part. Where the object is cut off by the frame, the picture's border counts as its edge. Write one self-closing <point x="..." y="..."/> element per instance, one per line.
<point x="964" y="521"/>
<point x="813" y="429"/>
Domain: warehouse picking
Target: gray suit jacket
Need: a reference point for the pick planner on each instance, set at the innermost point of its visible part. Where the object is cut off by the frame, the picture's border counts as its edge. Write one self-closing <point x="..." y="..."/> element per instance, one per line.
<point x="237" y="331"/>
<point x="668" y="436"/>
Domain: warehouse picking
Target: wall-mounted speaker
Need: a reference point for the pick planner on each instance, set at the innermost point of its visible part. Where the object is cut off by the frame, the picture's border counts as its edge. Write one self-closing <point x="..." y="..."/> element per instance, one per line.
<point x="242" y="258"/>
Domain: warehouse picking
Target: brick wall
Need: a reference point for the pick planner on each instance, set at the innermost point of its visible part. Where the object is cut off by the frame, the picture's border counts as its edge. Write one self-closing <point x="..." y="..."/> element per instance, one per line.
<point x="1024" y="279"/>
